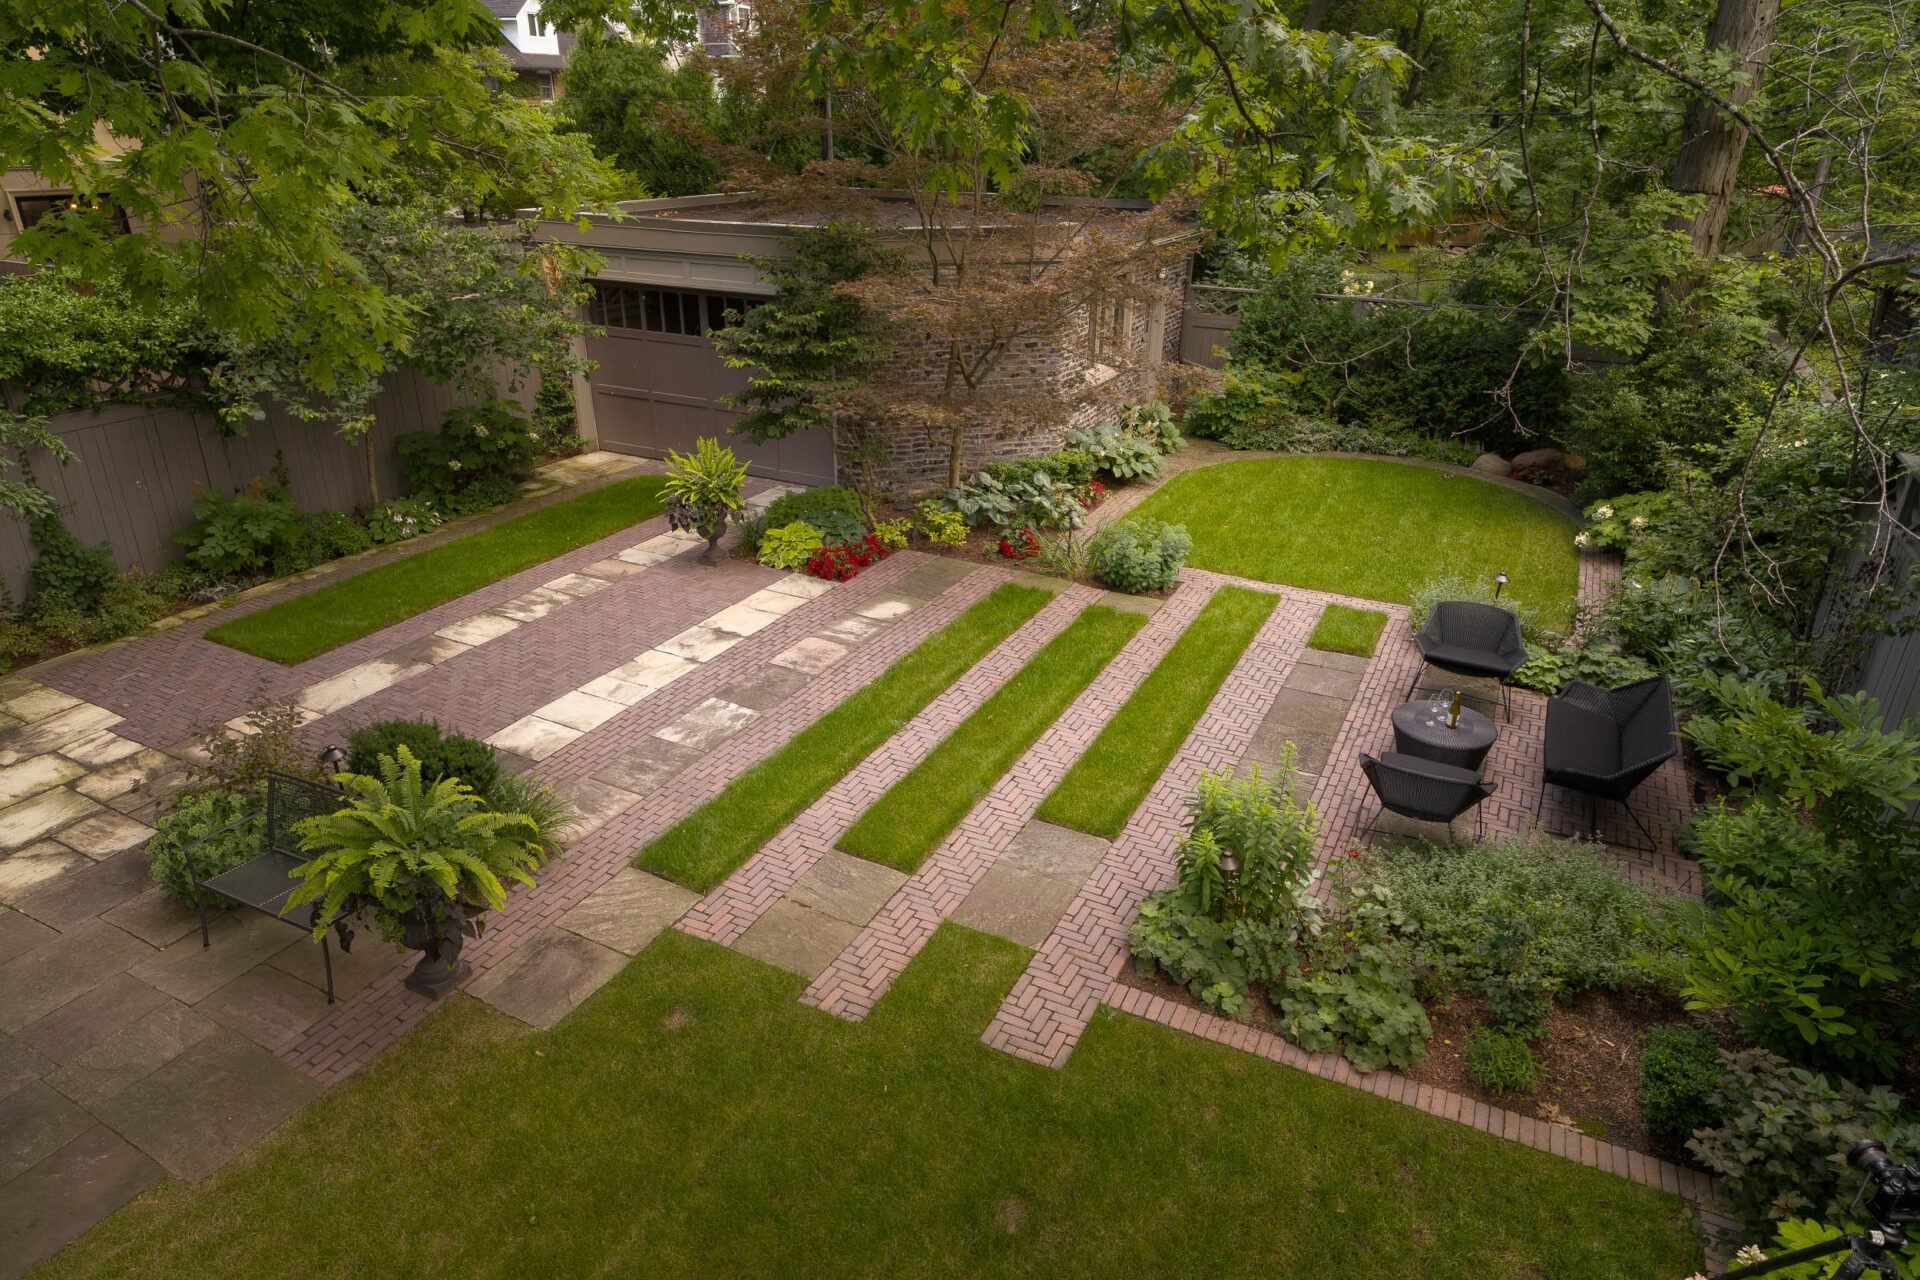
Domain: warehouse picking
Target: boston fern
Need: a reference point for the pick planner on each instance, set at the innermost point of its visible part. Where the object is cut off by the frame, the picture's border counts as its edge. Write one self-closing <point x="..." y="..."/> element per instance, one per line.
<point x="404" y="846"/>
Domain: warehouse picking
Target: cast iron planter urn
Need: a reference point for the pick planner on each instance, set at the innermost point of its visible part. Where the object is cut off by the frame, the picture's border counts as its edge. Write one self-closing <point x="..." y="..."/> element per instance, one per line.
<point x="438" y="930"/>
<point x="708" y="521"/>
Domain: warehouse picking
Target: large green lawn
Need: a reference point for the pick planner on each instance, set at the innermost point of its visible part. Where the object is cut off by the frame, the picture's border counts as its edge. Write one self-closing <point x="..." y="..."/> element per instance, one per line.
<point x="309" y="625"/>
<point x="694" y="1119"/>
<point x="1372" y="529"/>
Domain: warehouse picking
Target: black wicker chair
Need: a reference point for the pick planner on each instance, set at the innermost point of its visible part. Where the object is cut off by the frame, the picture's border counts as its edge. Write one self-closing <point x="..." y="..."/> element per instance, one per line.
<point x="1425" y="790"/>
<point x="1604" y="743"/>
<point x="1472" y="639"/>
<point x="267" y="881"/>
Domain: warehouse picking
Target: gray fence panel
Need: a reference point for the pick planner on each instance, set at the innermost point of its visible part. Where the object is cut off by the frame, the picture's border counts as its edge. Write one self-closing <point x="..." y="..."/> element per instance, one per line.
<point x="132" y="481"/>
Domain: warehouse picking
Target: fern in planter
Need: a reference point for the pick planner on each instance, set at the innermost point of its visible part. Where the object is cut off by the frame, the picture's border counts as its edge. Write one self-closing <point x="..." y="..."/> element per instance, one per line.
<point x="703" y="490"/>
<point x="429" y="860"/>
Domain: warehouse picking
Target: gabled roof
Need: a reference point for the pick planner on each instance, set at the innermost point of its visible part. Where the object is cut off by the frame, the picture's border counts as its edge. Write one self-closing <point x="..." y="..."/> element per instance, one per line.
<point x="506" y="8"/>
<point x="539" y="61"/>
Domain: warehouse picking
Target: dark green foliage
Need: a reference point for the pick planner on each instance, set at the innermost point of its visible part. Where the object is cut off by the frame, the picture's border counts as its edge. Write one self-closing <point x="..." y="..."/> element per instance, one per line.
<point x="1780" y="1150"/>
<point x="68" y="574"/>
<point x="441" y="755"/>
<point x="200" y="814"/>
<point x="809" y="341"/>
<point x="475" y="443"/>
<point x="648" y="119"/>
<point x="1679" y="1075"/>
<point x="1596" y="662"/>
<point x="1256" y="410"/>
<point x="1070" y="467"/>
<point x="328" y="535"/>
<point x="245" y="534"/>
<point x="67" y="347"/>
<point x="810" y="504"/>
<point x="1138" y="554"/>
<point x="1502" y="1059"/>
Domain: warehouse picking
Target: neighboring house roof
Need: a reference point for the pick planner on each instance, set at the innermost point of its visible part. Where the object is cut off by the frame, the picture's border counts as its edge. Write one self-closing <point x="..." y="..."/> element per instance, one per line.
<point x="539" y="61"/>
<point x="506" y="8"/>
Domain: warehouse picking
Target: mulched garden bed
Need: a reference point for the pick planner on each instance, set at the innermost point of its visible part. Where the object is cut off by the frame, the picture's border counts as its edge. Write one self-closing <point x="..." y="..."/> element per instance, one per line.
<point x="1590" y="1058"/>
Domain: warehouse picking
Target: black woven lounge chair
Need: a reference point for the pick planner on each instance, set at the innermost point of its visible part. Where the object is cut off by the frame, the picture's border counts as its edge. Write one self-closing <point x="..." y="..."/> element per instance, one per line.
<point x="266" y="882"/>
<point x="1605" y="742"/>
<point x="1472" y="639"/>
<point x="1425" y="790"/>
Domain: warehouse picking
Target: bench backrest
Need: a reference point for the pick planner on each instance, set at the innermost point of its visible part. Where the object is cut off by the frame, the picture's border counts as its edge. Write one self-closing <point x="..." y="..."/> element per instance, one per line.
<point x="290" y="799"/>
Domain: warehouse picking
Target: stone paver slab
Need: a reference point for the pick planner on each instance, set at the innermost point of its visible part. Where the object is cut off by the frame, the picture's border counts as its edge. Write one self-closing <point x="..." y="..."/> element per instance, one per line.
<point x="76" y="895"/>
<point x="579" y="710"/>
<point x="55" y="732"/>
<point x="598" y="804"/>
<point x="91" y="1017"/>
<point x="534" y="605"/>
<point x="1310" y="721"/>
<point x="803" y="586"/>
<point x="102" y="747"/>
<point x="852" y="629"/>
<point x="240" y="939"/>
<point x="131" y="1053"/>
<point x="654" y="669"/>
<point x="1061" y="852"/>
<point x="21" y="933"/>
<point x="743" y="620"/>
<point x="796" y="938"/>
<point x="44" y="814"/>
<point x="67" y="1192"/>
<point x="35" y="774"/>
<point x="208" y="1105"/>
<point x="645" y="767"/>
<point x="629" y="911"/>
<point x="103" y="835"/>
<point x="614" y="689"/>
<point x="40" y="981"/>
<point x="765" y="687"/>
<point x="24" y="870"/>
<point x="885" y="609"/>
<point x="1335" y="661"/>
<point x="547" y="977"/>
<point x="576" y="585"/>
<point x="640" y="557"/>
<point x="428" y="651"/>
<point x="1328" y="682"/>
<point x="355" y="683"/>
<point x="811" y="656"/>
<point x="372" y="959"/>
<point x="770" y="600"/>
<point x="700" y="643"/>
<point x="707" y="725"/>
<point x="614" y="568"/>
<point x="35" y="1122"/>
<point x="38" y="703"/>
<point x="533" y="737"/>
<point x="267" y="1005"/>
<point x="154" y="918"/>
<point x="846" y="888"/>
<point x="1015" y="903"/>
<point x="144" y="766"/>
<point x="20" y="1066"/>
<point x="478" y="629"/>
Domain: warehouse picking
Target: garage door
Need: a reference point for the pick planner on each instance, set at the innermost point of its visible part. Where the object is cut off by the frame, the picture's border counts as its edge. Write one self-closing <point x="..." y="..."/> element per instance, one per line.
<point x="660" y="382"/>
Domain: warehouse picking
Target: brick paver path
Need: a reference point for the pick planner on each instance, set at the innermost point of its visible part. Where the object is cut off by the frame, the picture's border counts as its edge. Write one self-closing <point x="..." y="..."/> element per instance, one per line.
<point x="1051" y="1003"/>
<point x="861" y="975"/>
<point x="726" y="913"/>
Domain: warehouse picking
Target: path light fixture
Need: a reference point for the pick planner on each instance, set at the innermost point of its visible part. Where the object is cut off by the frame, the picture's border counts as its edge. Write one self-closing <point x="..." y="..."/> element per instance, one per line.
<point x="1229" y="862"/>
<point x="1500" y="580"/>
<point x="333" y="760"/>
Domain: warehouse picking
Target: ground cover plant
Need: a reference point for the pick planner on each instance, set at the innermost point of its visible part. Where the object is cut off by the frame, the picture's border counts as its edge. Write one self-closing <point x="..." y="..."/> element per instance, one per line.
<point x="308" y="625"/>
<point x="626" y="1141"/>
<point x="915" y="815"/>
<point x="1371" y="529"/>
<point x="703" y="848"/>
<point x="1108" y="781"/>
<point x="1342" y="629"/>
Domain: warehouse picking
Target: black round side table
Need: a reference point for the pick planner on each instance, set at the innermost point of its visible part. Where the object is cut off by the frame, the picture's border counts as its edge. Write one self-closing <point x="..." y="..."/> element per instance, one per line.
<point x="1420" y="729"/>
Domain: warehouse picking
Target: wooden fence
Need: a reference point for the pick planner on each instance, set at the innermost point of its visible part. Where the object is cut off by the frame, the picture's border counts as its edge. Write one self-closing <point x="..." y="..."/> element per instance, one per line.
<point x="1891" y="672"/>
<point x="131" y="483"/>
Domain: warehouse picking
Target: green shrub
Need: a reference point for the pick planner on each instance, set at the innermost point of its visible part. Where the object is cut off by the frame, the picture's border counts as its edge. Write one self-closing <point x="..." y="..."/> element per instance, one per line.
<point x="332" y="534"/>
<point x="1070" y="467"/>
<point x="1125" y="455"/>
<point x="1595" y="662"/>
<point x="550" y="812"/>
<point x="1537" y="626"/>
<point x="199" y="814"/>
<point x="938" y="525"/>
<point x="751" y="528"/>
<point x="475" y="443"/>
<point x="441" y="755"/>
<point x="1255" y="409"/>
<point x="1780" y="1150"/>
<point x="1139" y="555"/>
<point x="403" y="518"/>
<point x="790" y="546"/>
<point x="808" y="503"/>
<point x="837" y="528"/>
<point x="1523" y="918"/>
<point x="1679" y="1075"/>
<point x="68" y="574"/>
<point x="1353" y="989"/>
<point x="245" y="534"/>
<point x="1501" y="1059"/>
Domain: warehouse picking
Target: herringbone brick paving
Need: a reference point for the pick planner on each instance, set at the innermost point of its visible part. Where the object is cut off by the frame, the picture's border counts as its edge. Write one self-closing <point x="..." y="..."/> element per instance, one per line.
<point x="855" y="981"/>
<point x="726" y="913"/>
<point x="1050" y="1005"/>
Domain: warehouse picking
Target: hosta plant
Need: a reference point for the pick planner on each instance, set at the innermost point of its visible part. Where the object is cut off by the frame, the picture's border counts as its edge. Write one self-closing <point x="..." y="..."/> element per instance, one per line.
<point x="790" y="546"/>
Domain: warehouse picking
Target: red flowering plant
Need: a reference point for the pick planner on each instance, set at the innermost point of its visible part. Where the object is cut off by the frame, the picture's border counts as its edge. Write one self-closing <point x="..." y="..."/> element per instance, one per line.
<point x="841" y="561"/>
<point x="1093" y="495"/>
<point x="1021" y="545"/>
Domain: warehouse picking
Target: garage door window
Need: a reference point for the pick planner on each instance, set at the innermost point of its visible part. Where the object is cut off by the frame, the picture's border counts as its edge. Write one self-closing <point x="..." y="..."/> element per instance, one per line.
<point x="632" y="307"/>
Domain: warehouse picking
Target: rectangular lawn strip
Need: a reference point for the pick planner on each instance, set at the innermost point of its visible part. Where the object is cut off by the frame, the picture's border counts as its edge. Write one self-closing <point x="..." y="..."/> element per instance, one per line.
<point x="703" y="848"/>
<point x="915" y="815"/>
<point x="693" y="1118"/>
<point x="1108" y="783"/>
<point x="1345" y="630"/>
<point x="309" y="625"/>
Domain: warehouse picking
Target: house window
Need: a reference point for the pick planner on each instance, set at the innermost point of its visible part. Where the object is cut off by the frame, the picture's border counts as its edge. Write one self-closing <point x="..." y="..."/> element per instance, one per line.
<point x="39" y="204"/>
<point x="546" y="85"/>
<point x="639" y="309"/>
<point x="536" y="25"/>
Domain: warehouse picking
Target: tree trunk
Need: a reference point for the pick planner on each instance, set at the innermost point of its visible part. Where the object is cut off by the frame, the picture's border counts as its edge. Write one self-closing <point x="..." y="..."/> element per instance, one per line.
<point x="956" y="446"/>
<point x="373" y="476"/>
<point x="1712" y="143"/>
